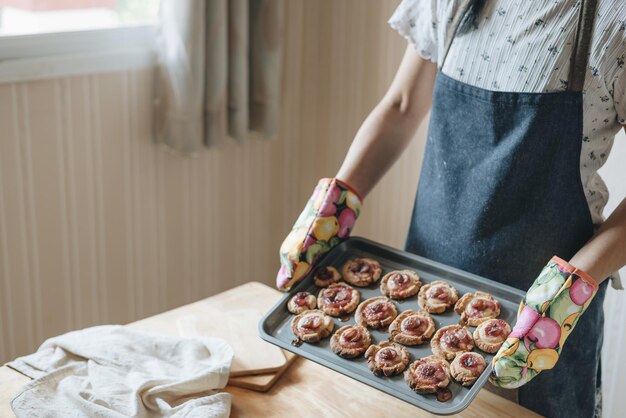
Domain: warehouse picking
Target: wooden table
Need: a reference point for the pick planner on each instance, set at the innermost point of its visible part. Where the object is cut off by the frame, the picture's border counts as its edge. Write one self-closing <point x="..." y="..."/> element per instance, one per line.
<point x="305" y="390"/>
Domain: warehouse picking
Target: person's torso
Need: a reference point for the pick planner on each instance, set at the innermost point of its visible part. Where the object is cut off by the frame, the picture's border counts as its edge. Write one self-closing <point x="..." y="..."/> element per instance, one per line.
<point x="525" y="46"/>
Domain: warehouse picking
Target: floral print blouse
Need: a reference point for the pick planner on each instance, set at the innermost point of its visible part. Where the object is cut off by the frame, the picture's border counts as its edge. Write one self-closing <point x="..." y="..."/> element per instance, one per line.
<point x="525" y="46"/>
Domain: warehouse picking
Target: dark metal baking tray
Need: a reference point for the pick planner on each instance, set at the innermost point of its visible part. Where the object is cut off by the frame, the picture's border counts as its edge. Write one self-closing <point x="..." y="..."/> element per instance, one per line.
<point x="275" y="326"/>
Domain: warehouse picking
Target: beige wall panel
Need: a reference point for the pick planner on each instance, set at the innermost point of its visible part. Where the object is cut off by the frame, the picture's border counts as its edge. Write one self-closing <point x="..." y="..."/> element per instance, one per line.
<point x="44" y="160"/>
<point x="18" y="319"/>
<point x="144" y="200"/>
<point x="80" y="193"/>
<point x="113" y="141"/>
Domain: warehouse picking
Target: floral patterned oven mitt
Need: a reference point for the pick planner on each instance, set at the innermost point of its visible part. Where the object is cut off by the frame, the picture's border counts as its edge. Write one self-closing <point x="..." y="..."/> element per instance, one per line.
<point x="326" y="220"/>
<point x="546" y="317"/>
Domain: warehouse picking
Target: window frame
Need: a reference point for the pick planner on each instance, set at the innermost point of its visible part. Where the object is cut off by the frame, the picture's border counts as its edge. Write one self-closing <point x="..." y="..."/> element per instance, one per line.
<point x="62" y="54"/>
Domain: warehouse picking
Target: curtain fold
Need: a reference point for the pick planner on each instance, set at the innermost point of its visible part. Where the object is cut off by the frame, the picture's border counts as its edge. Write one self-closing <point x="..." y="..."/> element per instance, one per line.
<point x="219" y="75"/>
<point x="238" y="64"/>
<point x="266" y="51"/>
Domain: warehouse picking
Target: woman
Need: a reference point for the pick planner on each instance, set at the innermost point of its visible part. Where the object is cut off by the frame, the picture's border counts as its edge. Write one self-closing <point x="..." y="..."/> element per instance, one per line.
<point x="525" y="100"/>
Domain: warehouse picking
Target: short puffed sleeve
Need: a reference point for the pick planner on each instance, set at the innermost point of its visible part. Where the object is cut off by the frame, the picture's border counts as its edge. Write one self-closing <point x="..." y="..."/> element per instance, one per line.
<point x="416" y="21"/>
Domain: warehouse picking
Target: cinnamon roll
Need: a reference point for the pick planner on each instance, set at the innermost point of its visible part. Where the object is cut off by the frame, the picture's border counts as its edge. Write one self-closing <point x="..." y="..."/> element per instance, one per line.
<point x="428" y="375"/>
<point x="361" y="272"/>
<point x="451" y="340"/>
<point x="476" y="308"/>
<point x="437" y="297"/>
<point x="491" y="334"/>
<point x="387" y="358"/>
<point x="400" y="284"/>
<point x="376" y="312"/>
<point x="312" y="326"/>
<point x="412" y="327"/>
<point x="338" y="299"/>
<point x="325" y="276"/>
<point x="350" y="341"/>
<point x="467" y="367"/>
<point x="300" y="302"/>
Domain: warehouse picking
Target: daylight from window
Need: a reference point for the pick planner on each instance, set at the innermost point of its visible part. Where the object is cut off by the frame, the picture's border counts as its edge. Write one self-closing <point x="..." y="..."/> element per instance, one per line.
<point x="24" y="17"/>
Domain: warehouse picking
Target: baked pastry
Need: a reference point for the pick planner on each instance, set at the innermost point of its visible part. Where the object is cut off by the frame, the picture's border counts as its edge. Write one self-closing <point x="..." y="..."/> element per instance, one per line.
<point x="400" y="284"/>
<point x="412" y="327"/>
<point x="300" y="302"/>
<point x="437" y="297"/>
<point x="491" y="334"/>
<point x="350" y="341"/>
<point x="361" y="272"/>
<point x="376" y="312"/>
<point x="428" y="375"/>
<point x="467" y="367"/>
<point x="325" y="276"/>
<point x="312" y="326"/>
<point x="338" y="299"/>
<point x="387" y="358"/>
<point x="476" y="308"/>
<point x="451" y="340"/>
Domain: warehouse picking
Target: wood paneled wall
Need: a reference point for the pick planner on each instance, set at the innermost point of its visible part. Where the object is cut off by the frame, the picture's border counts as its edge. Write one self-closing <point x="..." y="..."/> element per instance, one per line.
<point x="99" y="225"/>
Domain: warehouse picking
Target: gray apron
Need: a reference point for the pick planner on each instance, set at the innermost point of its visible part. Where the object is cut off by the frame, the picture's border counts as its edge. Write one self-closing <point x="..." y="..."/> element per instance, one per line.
<point x="500" y="193"/>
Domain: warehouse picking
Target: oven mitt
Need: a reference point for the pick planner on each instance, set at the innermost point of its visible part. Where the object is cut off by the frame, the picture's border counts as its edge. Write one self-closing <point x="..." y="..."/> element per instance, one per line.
<point x="326" y="220"/>
<point x="546" y="317"/>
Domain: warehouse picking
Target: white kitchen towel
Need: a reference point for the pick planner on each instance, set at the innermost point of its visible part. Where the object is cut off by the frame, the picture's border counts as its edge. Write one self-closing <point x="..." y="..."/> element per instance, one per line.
<point x="115" y="371"/>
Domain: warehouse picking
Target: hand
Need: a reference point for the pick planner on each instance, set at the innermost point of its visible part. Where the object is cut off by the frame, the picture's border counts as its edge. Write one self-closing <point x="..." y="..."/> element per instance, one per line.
<point x="327" y="220"/>
<point x="547" y="315"/>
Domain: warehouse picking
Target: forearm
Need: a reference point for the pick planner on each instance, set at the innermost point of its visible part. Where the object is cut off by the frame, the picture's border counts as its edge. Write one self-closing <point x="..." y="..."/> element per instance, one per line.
<point x="379" y="142"/>
<point x="389" y="128"/>
<point x="605" y="253"/>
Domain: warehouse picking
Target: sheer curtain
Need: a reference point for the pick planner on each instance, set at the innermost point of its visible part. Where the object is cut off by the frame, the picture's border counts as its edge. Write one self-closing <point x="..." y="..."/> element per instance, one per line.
<point x="219" y="71"/>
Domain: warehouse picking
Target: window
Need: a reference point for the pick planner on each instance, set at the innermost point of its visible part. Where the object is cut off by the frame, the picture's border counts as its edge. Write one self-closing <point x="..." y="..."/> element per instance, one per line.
<point x="26" y="17"/>
<point x="52" y="38"/>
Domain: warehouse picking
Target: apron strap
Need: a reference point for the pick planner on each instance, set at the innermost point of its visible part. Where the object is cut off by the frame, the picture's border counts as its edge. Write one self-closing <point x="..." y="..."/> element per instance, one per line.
<point x="582" y="43"/>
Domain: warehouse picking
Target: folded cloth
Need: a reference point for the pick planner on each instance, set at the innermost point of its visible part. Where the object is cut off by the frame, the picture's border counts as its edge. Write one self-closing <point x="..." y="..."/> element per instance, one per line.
<point x="115" y="371"/>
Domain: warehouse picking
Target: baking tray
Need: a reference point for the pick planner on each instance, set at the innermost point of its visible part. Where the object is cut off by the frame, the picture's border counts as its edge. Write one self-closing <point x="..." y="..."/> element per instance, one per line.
<point x="275" y="326"/>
